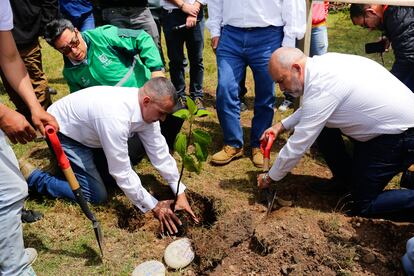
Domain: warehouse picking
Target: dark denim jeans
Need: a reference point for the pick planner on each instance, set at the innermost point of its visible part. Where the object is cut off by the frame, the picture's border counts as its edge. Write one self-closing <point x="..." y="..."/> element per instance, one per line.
<point x="373" y="165"/>
<point x="194" y="42"/>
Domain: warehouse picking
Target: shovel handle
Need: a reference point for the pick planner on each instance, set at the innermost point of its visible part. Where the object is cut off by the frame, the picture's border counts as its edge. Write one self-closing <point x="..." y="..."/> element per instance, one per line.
<point x="63" y="161"/>
<point x="266" y="144"/>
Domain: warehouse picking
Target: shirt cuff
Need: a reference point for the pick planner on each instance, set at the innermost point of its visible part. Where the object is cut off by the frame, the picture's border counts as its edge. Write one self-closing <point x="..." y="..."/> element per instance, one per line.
<point x="148" y="203"/>
<point x="173" y="187"/>
<point x="289" y="41"/>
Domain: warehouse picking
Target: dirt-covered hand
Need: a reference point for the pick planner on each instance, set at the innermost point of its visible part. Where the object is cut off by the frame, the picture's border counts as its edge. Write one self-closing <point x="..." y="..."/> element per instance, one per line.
<point x="41" y="118"/>
<point x="163" y="212"/>
<point x="15" y="126"/>
<point x="182" y="204"/>
<point x="276" y="130"/>
<point x="263" y="181"/>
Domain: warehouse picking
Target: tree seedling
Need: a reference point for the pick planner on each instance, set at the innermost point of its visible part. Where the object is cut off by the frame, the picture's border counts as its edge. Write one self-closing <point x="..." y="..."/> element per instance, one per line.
<point x="192" y="144"/>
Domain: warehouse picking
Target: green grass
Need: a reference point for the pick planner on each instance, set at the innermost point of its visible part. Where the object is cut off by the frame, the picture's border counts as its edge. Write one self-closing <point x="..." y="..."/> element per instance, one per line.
<point x="64" y="238"/>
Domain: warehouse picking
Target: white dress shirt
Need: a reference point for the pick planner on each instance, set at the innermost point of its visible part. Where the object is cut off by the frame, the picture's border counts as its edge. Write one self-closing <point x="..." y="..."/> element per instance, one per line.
<point x="259" y="13"/>
<point x="6" y="16"/>
<point x="167" y="5"/>
<point x="105" y="117"/>
<point x="352" y="93"/>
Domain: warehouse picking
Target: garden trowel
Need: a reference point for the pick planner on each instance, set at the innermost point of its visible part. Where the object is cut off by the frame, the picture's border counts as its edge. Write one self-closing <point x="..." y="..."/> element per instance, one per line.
<point x="74" y="184"/>
<point x="265" y="147"/>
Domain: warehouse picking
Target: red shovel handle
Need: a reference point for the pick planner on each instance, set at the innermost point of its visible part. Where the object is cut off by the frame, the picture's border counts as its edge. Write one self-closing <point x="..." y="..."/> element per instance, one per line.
<point x="57" y="147"/>
<point x="266" y="145"/>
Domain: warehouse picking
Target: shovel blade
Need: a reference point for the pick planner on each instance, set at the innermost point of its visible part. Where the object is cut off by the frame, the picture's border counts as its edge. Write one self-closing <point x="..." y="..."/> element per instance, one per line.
<point x="271" y="198"/>
<point x="98" y="235"/>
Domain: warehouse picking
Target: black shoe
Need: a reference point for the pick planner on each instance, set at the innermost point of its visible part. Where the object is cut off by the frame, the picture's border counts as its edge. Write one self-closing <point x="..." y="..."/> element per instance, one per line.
<point x="29" y="216"/>
<point x="200" y="105"/>
<point x="181" y="104"/>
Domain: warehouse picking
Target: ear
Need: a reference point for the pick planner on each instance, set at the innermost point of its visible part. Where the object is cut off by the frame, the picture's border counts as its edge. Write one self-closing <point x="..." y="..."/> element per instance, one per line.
<point x="146" y="100"/>
<point x="371" y="11"/>
<point x="297" y="67"/>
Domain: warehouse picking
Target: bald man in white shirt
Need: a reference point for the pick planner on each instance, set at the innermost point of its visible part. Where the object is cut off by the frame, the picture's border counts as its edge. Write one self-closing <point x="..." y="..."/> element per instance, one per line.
<point x="102" y="118"/>
<point x="366" y="103"/>
<point x="245" y="33"/>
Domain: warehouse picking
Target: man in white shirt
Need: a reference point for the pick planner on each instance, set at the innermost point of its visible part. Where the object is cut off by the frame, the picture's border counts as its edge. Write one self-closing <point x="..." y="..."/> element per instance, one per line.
<point x="245" y="33"/>
<point x="104" y="117"/>
<point x="14" y="258"/>
<point x="350" y="93"/>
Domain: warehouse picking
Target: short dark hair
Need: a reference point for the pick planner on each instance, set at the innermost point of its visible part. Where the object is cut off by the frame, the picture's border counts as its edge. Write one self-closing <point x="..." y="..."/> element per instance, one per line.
<point x="161" y="87"/>
<point x="357" y="10"/>
<point x="55" y="28"/>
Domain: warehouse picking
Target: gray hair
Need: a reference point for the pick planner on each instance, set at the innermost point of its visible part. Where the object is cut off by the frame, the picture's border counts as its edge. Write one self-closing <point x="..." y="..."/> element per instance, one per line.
<point x="55" y="28"/>
<point x="286" y="57"/>
<point x="159" y="88"/>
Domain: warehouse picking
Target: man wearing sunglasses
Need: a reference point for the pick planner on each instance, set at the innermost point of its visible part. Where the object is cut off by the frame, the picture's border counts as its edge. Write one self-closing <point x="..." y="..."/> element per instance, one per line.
<point x="397" y="23"/>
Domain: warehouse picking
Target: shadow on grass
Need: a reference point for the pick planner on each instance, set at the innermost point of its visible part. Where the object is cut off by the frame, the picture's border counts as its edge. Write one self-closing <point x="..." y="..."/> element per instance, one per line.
<point x="91" y="255"/>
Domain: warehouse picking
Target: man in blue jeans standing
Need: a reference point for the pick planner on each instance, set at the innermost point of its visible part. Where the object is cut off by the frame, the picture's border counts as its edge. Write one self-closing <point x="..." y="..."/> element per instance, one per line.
<point x="252" y="30"/>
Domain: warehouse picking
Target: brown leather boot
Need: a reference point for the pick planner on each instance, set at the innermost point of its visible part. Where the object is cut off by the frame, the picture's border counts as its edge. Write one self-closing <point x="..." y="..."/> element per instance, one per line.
<point x="257" y="157"/>
<point x="226" y="155"/>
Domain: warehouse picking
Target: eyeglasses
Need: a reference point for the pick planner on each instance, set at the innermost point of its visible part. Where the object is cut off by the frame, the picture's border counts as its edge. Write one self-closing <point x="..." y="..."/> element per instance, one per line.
<point x="74" y="43"/>
<point x="364" y="24"/>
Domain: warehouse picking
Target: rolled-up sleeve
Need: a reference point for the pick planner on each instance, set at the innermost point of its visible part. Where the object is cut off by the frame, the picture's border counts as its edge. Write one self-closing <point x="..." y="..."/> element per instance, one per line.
<point x="294" y="19"/>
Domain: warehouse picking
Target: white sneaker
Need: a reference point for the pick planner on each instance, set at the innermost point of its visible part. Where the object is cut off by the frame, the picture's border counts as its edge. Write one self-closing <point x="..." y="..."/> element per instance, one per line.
<point x="285" y="105"/>
<point x="31" y="254"/>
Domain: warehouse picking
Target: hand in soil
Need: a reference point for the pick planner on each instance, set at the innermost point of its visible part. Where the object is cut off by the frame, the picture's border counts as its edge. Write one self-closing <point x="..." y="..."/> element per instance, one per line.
<point x="182" y="204"/>
<point x="261" y="183"/>
<point x="163" y="212"/>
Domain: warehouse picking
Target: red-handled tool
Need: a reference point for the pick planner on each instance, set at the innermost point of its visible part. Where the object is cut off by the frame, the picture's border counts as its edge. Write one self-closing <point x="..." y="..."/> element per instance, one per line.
<point x="74" y="184"/>
<point x="265" y="147"/>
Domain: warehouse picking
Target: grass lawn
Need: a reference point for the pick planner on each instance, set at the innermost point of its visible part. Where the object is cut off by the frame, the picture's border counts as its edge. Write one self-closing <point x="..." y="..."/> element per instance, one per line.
<point x="64" y="237"/>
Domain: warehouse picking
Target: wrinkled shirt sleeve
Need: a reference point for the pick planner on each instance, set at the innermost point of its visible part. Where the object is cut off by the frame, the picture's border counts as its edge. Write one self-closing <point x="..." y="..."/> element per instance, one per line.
<point x="294" y="19"/>
<point x="314" y="116"/>
<point x="215" y="17"/>
<point x="114" y="139"/>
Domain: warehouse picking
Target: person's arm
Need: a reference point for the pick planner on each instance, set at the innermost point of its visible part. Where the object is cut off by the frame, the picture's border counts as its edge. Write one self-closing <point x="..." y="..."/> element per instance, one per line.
<point x="190" y="9"/>
<point x="16" y="74"/>
<point x="294" y="16"/>
<point x="215" y="20"/>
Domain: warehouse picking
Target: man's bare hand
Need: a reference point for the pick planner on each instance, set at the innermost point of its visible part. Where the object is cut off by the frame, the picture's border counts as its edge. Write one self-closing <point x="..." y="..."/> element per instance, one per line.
<point x="191" y="21"/>
<point x="276" y="130"/>
<point x="182" y="204"/>
<point x="159" y="73"/>
<point x="41" y="118"/>
<point x="192" y="10"/>
<point x="214" y="43"/>
<point x="15" y="126"/>
<point x="166" y="216"/>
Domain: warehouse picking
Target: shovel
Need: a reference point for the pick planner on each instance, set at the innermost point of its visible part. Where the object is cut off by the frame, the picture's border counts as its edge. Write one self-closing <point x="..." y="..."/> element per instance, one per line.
<point x="265" y="147"/>
<point x="74" y="184"/>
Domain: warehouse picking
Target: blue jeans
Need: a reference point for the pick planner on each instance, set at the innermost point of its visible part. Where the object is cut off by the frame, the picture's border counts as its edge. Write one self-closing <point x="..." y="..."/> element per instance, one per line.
<point x="238" y="48"/>
<point x="194" y="42"/>
<point x="82" y="23"/>
<point x="13" y="191"/>
<point x="82" y="160"/>
<point x="405" y="73"/>
<point x="319" y="41"/>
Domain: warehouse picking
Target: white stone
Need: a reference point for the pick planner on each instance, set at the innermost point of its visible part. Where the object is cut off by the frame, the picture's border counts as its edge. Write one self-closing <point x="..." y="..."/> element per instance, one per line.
<point x="179" y="253"/>
<point x="149" y="268"/>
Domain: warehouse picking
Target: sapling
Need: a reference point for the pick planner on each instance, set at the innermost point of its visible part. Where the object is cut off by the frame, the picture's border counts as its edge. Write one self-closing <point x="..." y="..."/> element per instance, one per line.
<point x="191" y="145"/>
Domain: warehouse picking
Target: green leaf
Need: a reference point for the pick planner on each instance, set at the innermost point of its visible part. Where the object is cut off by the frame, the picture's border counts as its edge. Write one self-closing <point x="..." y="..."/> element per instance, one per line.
<point x="202" y="113"/>
<point x="200" y="152"/>
<point x="201" y="137"/>
<point x="191" y="106"/>
<point x="189" y="163"/>
<point x="182" y="113"/>
<point x="181" y="144"/>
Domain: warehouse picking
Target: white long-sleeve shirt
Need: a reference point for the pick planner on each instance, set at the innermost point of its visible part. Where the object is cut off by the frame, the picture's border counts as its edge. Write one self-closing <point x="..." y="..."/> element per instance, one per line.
<point x="105" y="117"/>
<point x="352" y="93"/>
<point x="259" y="13"/>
